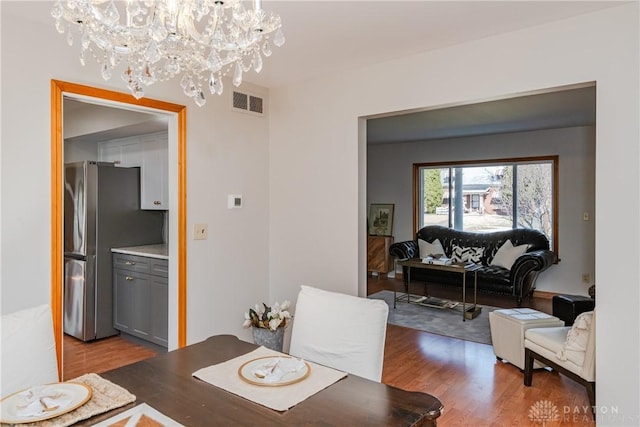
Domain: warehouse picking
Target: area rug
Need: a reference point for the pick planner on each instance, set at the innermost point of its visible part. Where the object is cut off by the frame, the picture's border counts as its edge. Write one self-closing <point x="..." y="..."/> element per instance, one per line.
<point x="441" y="321"/>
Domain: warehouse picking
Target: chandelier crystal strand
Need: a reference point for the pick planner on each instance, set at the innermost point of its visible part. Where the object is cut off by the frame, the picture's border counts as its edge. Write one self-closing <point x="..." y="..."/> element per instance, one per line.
<point x="147" y="41"/>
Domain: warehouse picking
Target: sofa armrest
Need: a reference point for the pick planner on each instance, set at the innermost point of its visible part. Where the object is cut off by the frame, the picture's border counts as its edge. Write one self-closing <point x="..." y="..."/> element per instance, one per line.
<point x="404" y="250"/>
<point x="538" y="260"/>
<point x="526" y="268"/>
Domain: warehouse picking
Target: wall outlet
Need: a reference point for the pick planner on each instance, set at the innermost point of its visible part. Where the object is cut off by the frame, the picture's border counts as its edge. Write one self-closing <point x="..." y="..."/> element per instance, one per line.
<point x="200" y="231"/>
<point x="586" y="278"/>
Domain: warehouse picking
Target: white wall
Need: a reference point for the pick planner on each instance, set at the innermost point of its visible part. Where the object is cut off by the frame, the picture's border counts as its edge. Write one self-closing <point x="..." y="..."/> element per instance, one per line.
<point x="390" y="180"/>
<point x="316" y="161"/>
<point x="75" y="151"/>
<point x="227" y="153"/>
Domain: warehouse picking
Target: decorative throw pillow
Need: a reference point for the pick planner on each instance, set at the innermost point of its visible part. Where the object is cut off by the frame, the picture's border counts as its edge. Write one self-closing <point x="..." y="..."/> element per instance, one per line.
<point x="578" y="335"/>
<point x="432" y="248"/>
<point x="470" y="254"/>
<point x="507" y="254"/>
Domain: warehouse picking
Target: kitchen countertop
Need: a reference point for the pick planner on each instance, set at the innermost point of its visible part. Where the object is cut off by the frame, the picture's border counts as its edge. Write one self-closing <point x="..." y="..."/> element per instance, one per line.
<point x="152" y="251"/>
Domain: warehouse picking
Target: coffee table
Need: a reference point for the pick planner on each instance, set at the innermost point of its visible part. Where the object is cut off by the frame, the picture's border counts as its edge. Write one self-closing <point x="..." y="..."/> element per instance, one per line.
<point x="472" y="312"/>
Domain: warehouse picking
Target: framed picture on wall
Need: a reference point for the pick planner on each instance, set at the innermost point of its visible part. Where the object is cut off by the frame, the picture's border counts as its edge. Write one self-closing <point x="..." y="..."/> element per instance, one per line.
<point x="381" y="219"/>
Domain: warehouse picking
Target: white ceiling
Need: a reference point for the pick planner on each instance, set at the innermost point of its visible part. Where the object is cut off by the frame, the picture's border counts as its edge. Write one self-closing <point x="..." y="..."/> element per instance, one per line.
<point x="556" y="109"/>
<point x="338" y="35"/>
<point x="146" y="122"/>
<point x="325" y="37"/>
<point x="329" y="36"/>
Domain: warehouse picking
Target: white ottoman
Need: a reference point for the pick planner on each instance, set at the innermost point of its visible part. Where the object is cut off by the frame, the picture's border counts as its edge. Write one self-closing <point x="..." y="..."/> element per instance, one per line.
<point x="507" y="331"/>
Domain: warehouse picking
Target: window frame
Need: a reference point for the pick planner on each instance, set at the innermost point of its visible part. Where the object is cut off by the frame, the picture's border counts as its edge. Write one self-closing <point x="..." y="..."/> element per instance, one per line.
<point x="554" y="160"/>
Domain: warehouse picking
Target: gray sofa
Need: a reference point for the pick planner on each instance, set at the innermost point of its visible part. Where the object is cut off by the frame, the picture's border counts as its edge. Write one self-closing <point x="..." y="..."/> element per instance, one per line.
<point x="518" y="281"/>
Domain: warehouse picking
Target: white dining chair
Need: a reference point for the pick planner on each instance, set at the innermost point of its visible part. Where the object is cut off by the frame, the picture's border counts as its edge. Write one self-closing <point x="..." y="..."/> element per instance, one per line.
<point x="340" y="331"/>
<point x="28" y="349"/>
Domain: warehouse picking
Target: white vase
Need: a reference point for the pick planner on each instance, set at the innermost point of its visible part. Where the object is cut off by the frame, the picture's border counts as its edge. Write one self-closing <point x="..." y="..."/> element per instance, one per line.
<point x="268" y="338"/>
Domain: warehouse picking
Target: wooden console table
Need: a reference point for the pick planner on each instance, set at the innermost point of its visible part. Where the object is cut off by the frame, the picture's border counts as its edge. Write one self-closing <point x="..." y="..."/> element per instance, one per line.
<point x="378" y="258"/>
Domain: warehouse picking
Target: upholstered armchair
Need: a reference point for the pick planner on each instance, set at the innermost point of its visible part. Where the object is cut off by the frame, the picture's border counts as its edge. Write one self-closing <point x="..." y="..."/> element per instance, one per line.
<point x="569" y="350"/>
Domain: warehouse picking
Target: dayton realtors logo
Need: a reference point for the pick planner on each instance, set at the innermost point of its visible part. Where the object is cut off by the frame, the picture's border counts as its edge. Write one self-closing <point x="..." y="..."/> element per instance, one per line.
<point x="543" y="411"/>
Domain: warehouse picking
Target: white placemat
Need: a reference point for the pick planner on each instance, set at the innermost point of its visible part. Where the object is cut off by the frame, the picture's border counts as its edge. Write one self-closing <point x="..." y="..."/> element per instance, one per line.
<point x="105" y="397"/>
<point x="225" y="376"/>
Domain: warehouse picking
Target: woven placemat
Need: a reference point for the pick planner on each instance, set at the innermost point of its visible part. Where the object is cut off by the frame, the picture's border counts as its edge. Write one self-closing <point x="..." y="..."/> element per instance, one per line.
<point x="106" y="396"/>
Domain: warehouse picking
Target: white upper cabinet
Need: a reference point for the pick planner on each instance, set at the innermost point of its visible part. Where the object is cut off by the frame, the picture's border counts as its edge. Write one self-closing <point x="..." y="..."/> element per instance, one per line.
<point x="123" y="152"/>
<point x="150" y="153"/>
<point x="155" y="162"/>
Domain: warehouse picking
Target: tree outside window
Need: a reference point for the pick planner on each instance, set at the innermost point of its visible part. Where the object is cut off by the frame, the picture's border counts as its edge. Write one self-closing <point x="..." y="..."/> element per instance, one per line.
<point x="489" y="195"/>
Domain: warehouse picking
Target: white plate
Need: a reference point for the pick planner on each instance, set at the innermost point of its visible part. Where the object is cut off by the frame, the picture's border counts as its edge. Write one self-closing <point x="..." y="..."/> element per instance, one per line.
<point x="9" y="406"/>
<point x="246" y="372"/>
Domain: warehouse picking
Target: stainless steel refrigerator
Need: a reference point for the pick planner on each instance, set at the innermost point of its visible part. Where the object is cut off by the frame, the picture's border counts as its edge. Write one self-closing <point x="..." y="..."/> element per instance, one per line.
<point x="101" y="211"/>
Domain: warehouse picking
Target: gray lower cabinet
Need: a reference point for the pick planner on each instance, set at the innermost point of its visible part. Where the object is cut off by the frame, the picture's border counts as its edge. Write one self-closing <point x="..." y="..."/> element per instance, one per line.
<point x="141" y="297"/>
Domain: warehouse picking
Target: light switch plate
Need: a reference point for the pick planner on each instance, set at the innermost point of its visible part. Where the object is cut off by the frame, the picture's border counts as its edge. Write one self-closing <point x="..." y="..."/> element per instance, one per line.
<point x="200" y="231"/>
<point x="234" y="201"/>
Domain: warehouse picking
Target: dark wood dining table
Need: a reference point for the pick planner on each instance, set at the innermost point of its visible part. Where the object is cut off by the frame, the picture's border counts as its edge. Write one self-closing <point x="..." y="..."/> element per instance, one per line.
<point x="165" y="382"/>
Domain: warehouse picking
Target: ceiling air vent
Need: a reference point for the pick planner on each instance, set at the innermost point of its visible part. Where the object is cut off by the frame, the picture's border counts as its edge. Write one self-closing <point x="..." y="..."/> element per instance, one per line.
<point x="240" y="100"/>
<point x="255" y="104"/>
<point x="248" y="103"/>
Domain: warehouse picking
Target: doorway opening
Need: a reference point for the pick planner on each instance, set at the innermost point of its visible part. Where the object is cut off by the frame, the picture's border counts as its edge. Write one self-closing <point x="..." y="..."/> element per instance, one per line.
<point x="555" y="121"/>
<point x="176" y="120"/>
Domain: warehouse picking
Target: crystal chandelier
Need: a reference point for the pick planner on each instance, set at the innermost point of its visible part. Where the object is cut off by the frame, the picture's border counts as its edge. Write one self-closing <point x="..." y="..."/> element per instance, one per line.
<point x="149" y="41"/>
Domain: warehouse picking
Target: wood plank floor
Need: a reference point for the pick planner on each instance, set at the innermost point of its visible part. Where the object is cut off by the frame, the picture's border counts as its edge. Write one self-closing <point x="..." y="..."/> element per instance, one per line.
<point x="475" y="388"/>
<point x="101" y="355"/>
